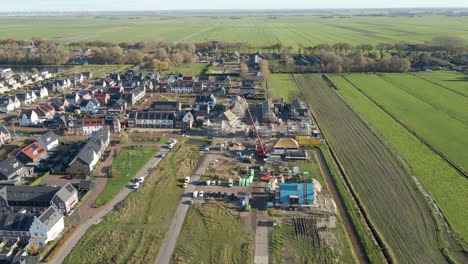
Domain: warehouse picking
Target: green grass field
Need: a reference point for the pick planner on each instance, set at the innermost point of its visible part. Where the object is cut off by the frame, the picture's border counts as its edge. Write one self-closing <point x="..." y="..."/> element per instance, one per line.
<point x="293" y="29"/>
<point x="214" y="234"/>
<point x="282" y="86"/>
<point x="447" y="187"/>
<point x="420" y="114"/>
<point x="384" y="188"/>
<point x="451" y="80"/>
<point x="125" y="166"/>
<point x="133" y="232"/>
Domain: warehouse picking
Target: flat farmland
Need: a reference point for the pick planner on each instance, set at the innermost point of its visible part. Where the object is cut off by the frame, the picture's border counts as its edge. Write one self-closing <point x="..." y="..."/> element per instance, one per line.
<point x="451" y="80"/>
<point x="292" y="29"/>
<point x="445" y="184"/>
<point x="385" y="189"/>
<point x="418" y="112"/>
<point x="282" y="86"/>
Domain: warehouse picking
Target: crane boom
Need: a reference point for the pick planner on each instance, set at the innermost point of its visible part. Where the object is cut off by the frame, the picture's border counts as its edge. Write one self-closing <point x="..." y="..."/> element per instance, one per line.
<point x="262" y="151"/>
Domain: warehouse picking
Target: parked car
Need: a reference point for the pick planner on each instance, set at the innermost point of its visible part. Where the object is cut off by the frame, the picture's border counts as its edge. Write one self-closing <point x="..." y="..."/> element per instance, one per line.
<point x="218" y="182"/>
<point x="137" y="184"/>
<point x="231" y="182"/>
<point x="141" y="179"/>
<point x="201" y="194"/>
<point x="190" y="202"/>
<point x="208" y="182"/>
<point x="187" y="179"/>
<point x="195" y="194"/>
<point x="69" y="176"/>
<point x="184" y="185"/>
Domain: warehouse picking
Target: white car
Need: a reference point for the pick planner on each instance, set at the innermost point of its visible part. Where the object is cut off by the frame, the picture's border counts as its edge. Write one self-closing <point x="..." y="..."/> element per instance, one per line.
<point x="137" y="184"/>
<point x="208" y="183"/>
<point x="141" y="179"/>
<point x="184" y="185"/>
<point x="187" y="179"/>
<point x="201" y="194"/>
<point x="231" y="182"/>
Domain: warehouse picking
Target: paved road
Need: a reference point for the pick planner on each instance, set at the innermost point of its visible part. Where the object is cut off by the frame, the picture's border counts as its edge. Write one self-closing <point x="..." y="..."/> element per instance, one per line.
<point x="168" y="245"/>
<point x="73" y="240"/>
<point x="261" y="244"/>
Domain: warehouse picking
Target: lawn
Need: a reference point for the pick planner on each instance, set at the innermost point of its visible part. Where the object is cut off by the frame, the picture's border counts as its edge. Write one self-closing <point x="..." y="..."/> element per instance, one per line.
<point x="433" y="124"/>
<point x="384" y="189"/>
<point x="134" y="231"/>
<point x="282" y="86"/>
<point x="447" y="187"/>
<point x="214" y="234"/>
<point x="450" y="80"/>
<point x="156" y="140"/>
<point x="194" y="70"/>
<point x="125" y="166"/>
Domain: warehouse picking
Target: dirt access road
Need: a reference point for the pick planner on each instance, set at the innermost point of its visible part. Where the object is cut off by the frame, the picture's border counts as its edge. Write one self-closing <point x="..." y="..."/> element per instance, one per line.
<point x="168" y="245"/>
<point x="102" y="211"/>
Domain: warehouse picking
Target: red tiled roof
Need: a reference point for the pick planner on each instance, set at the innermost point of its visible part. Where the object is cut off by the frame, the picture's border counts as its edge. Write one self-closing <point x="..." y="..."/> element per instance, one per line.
<point x="33" y="150"/>
<point x="93" y="122"/>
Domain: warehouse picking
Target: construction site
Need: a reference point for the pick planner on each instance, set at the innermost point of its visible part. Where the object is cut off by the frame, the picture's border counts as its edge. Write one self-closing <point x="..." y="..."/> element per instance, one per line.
<point x="268" y="170"/>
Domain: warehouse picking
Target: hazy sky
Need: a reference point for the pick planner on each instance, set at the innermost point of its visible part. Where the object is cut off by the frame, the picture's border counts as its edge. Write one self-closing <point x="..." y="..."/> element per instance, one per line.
<point x="102" y="5"/>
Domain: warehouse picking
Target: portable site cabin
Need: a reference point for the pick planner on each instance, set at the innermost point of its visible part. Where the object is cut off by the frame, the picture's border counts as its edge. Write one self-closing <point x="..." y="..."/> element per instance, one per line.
<point x="296" y="193"/>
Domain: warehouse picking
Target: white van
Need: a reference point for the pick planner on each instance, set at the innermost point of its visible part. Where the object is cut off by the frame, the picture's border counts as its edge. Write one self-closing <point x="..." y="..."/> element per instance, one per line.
<point x="195" y="194"/>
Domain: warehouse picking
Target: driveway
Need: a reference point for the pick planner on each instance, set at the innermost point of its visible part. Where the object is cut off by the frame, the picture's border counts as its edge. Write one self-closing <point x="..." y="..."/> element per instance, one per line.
<point x="168" y="245"/>
<point x="96" y="215"/>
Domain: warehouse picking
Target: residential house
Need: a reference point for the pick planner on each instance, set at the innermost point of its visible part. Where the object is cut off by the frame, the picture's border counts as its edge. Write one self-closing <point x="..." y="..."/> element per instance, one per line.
<point x="90" y="106"/>
<point x="112" y="124"/>
<point x="151" y="119"/>
<point x="85" y="94"/>
<point x="166" y="106"/>
<point x="206" y="100"/>
<point x="60" y="105"/>
<point x="117" y="106"/>
<point x="5" y="136"/>
<point x="6" y="105"/>
<point x="49" y="140"/>
<point x="254" y="60"/>
<point x="183" y="120"/>
<point x="52" y="87"/>
<point x="38" y="198"/>
<point x="85" y="126"/>
<point x="72" y="99"/>
<point x="12" y="171"/>
<point x="16" y="101"/>
<point x="115" y="90"/>
<point x="29" y="118"/>
<point x="223" y="81"/>
<point x="298" y="110"/>
<point x="47" y="227"/>
<point x="135" y="95"/>
<point x="61" y="121"/>
<point x="45" y="112"/>
<point x="31" y="227"/>
<point x="41" y="92"/>
<point x="87" y="75"/>
<point x="102" y="97"/>
<point x="31" y="153"/>
<point x="89" y="126"/>
<point x="85" y="161"/>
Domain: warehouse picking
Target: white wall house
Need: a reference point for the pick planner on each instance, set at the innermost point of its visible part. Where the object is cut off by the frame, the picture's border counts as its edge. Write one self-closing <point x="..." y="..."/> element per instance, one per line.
<point x="29" y="118"/>
<point x="47" y="226"/>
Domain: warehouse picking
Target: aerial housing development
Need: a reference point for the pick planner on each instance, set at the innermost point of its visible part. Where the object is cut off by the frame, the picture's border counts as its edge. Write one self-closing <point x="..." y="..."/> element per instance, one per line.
<point x="224" y="136"/>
